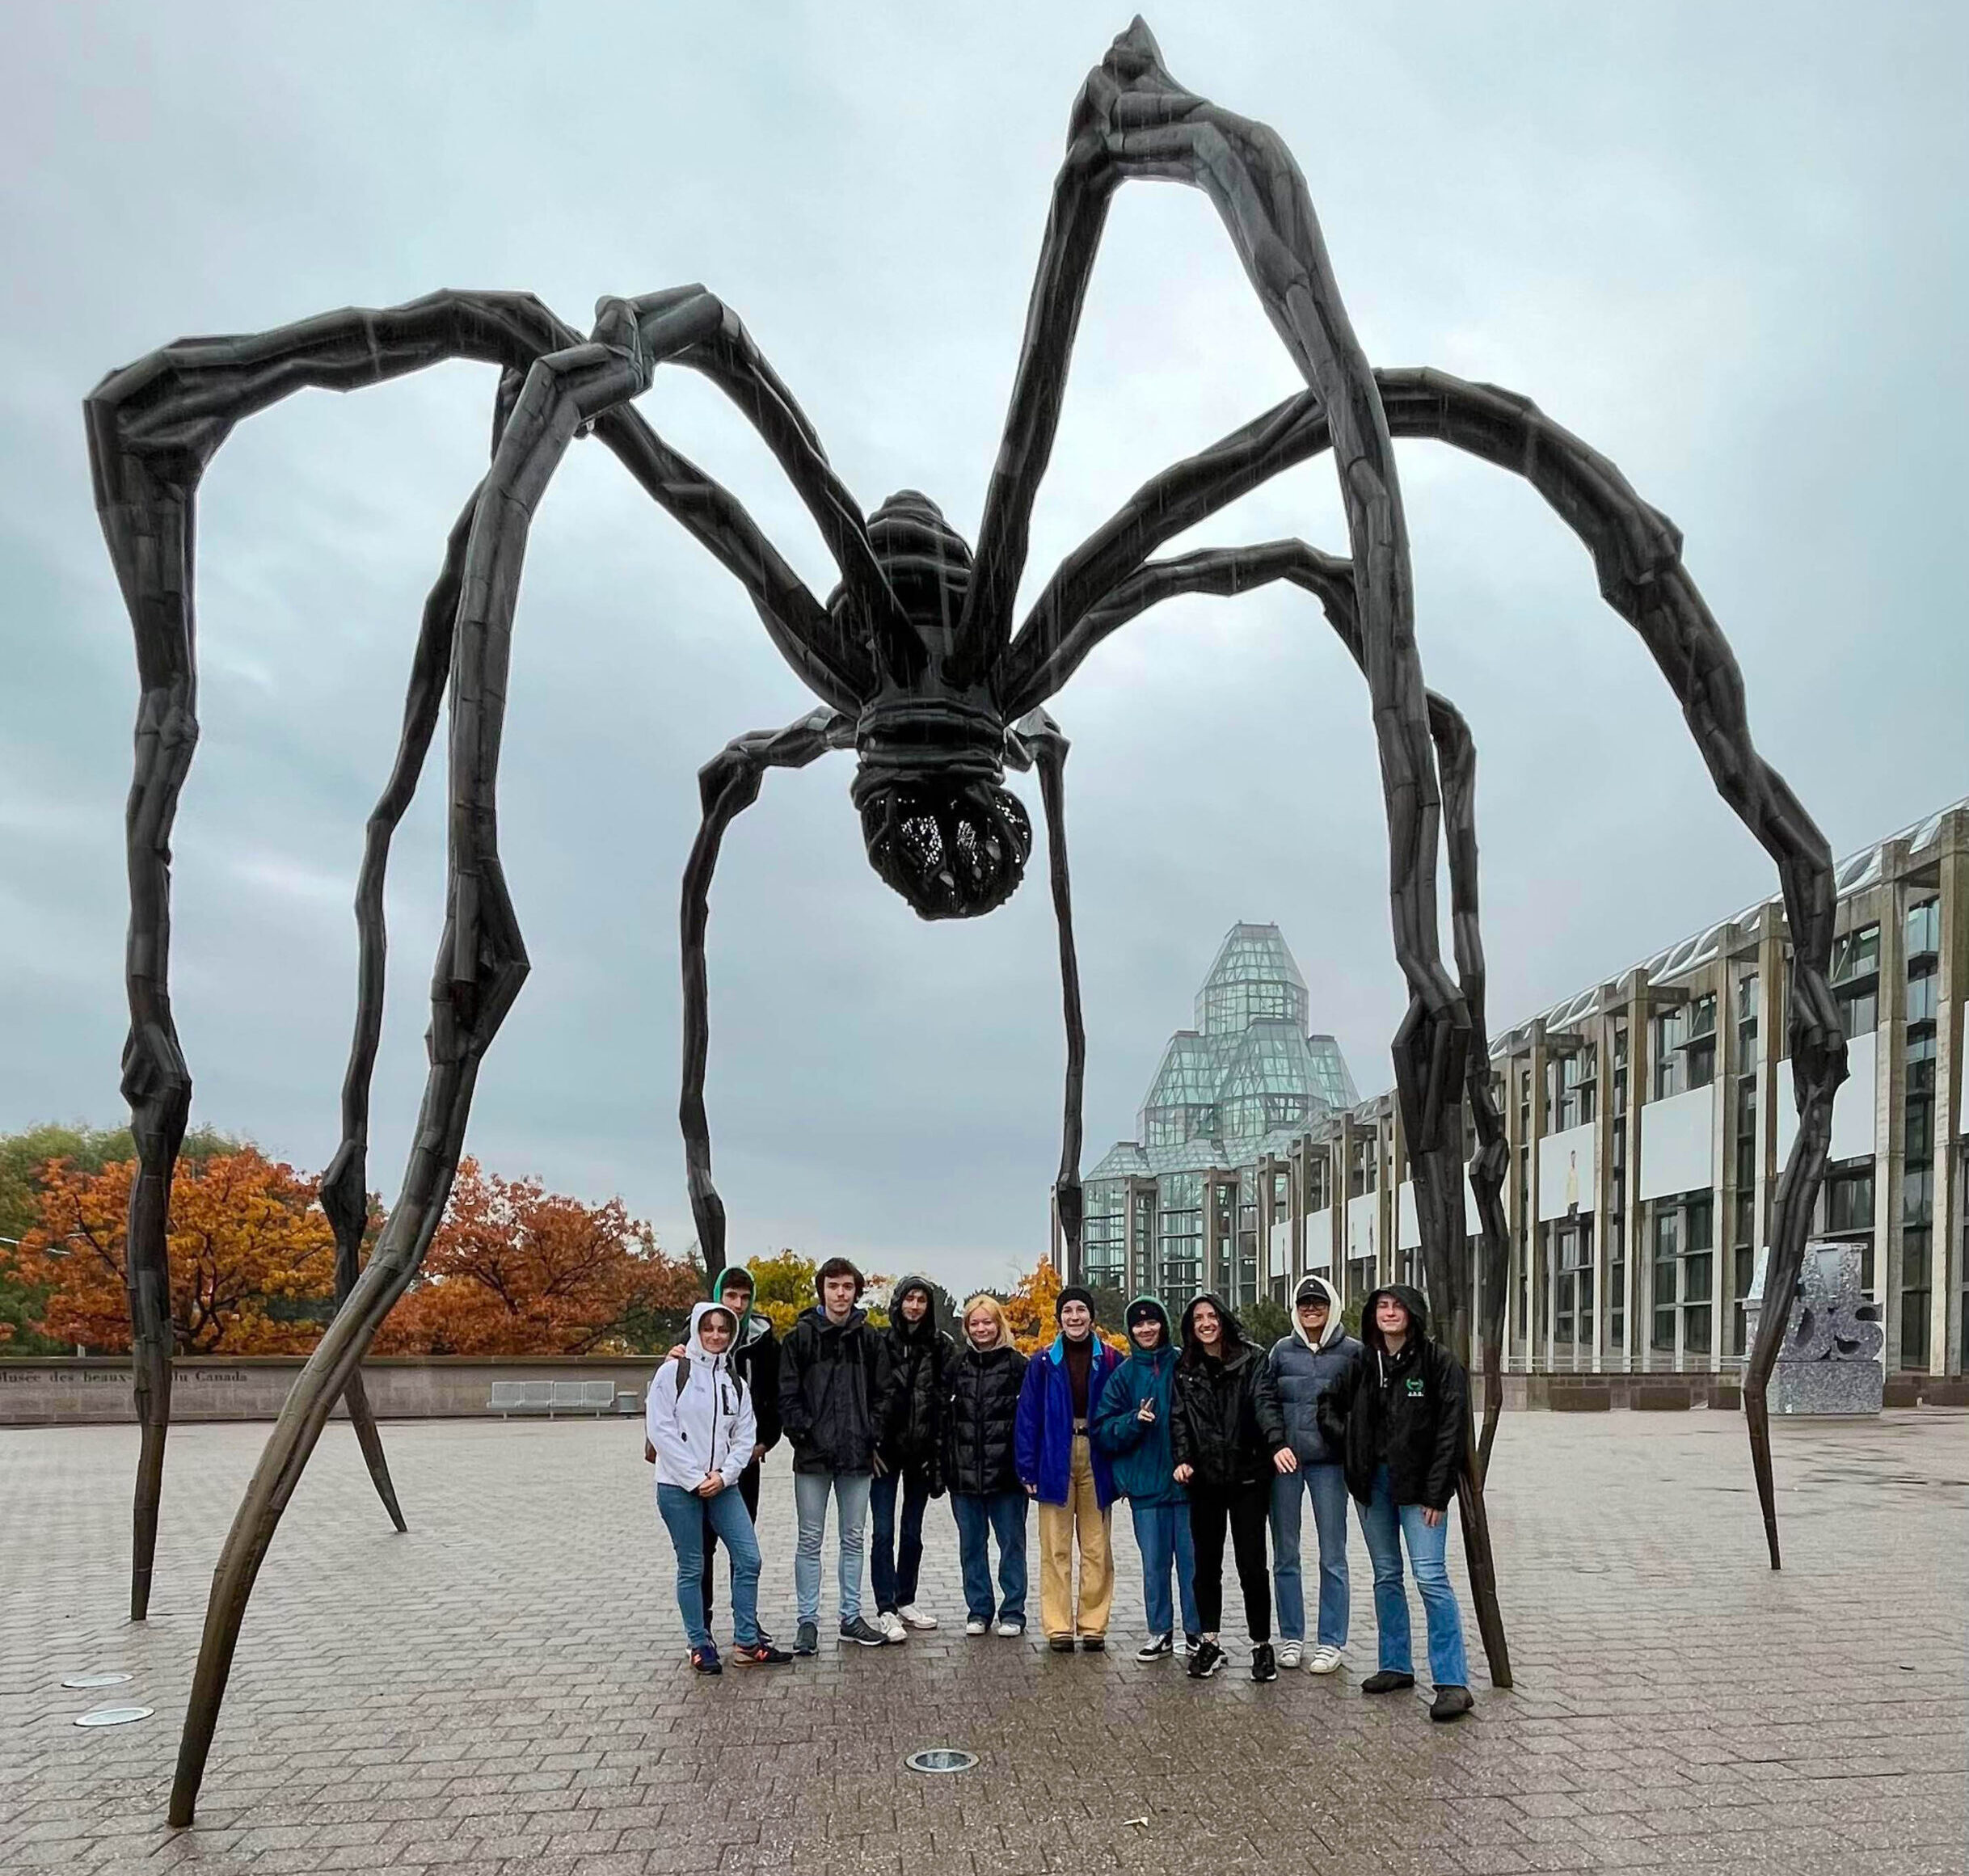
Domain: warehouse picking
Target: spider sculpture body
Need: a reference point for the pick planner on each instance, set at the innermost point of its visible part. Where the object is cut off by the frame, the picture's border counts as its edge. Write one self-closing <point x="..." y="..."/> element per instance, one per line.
<point x="919" y="669"/>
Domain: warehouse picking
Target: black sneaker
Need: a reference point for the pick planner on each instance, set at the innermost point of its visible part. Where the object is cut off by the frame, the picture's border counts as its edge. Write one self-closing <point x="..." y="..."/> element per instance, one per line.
<point x="704" y="1660"/>
<point x="861" y="1630"/>
<point x="1451" y="1703"/>
<point x="1190" y="1644"/>
<point x="806" y="1639"/>
<point x="1387" y="1681"/>
<point x="760" y="1654"/>
<point x="1264" y="1667"/>
<point x="1060" y="1644"/>
<point x="1207" y="1660"/>
<point x="1093" y="1644"/>
<point x="1155" y="1648"/>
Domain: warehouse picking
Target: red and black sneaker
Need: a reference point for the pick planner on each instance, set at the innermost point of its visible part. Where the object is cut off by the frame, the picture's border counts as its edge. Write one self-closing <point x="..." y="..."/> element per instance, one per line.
<point x="704" y="1660"/>
<point x="759" y="1653"/>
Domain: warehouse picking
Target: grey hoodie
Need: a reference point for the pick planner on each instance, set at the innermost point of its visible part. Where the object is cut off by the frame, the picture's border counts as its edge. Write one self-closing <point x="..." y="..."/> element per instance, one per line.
<point x="1303" y="1372"/>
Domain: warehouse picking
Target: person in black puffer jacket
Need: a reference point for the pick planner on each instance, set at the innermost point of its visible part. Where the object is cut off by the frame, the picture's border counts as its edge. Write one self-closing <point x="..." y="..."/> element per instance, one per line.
<point x="1229" y="1439"/>
<point x="980" y="1466"/>
<point x="919" y="1356"/>
<point x="1404" y="1437"/>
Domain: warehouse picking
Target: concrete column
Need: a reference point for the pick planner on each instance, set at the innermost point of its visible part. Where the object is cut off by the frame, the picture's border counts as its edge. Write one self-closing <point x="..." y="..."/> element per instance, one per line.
<point x="1640" y="1083"/>
<point x="1603" y="1174"/>
<point x="1945" y="1330"/>
<point x="1889" y="1084"/>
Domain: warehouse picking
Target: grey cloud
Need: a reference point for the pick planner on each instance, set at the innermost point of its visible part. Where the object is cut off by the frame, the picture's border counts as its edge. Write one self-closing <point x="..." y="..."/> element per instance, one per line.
<point x="1723" y="244"/>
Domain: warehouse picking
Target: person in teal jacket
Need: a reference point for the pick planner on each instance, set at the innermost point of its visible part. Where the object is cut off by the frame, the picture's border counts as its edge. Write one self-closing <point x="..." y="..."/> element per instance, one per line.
<point x="1130" y="1426"/>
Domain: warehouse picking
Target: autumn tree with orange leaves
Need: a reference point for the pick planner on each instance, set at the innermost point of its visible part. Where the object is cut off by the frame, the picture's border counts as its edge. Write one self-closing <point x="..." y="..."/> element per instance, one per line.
<point x="252" y="1258"/>
<point x="517" y="1270"/>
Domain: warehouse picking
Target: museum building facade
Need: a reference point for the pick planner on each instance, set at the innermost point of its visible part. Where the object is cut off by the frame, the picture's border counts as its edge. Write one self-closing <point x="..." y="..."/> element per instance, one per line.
<point x="1647" y="1117"/>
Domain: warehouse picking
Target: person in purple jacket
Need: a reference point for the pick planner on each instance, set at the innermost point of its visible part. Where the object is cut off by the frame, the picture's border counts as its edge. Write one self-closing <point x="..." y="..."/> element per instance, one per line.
<point x="1059" y="1466"/>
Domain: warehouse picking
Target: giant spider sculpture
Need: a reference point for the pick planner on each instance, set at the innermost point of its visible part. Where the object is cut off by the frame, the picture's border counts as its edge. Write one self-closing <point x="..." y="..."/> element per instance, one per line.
<point x="920" y="670"/>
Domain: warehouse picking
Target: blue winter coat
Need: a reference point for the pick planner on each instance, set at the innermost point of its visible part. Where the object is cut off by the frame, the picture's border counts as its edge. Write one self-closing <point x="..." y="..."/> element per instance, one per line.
<point x="1042" y="1433"/>
<point x="1144" y="1467"/>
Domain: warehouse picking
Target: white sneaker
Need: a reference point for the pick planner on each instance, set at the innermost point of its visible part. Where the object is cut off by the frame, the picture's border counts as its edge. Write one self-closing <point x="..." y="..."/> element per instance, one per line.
<point x="1289" y="1653"/>
<point x="1008" y="1629"/>
<point x="977" y="1626"/>
<point x="917" y="1618"/>
<point x="1326" y="1659"/>
<point x="891" y="1625"/>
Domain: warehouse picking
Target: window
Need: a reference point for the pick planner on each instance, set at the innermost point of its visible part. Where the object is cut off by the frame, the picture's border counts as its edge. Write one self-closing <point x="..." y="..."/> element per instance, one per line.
<point x="1683" y="1274"/>
<point x="1179" y="1244"/>
<point x="1319" y="1181"/>
<point x="1856" y="978"/>
<point x="1924" y="928"/>
<point x="1616" y="1282"/>
<point x="1747" y="1015"/>
<point x="1922" y="1001"/>
<point x="1571" y="1089"/>
<point x="1362" y="1170"/>
<point x="1849" y="1201"/>
<point x="1103" y="1234"/>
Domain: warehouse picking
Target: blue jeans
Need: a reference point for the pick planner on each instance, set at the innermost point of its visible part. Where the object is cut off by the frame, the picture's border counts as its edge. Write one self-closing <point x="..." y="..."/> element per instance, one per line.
<point x="1001" y="1515"/>
<point x="1327" y="1486"/>
<point x="685" y="1514"/>
<point x="1162" y="1536"/>
<point x="810" y="1491"/>
<point x="893" y="1565"/>
<point x="1386" y="1526"/>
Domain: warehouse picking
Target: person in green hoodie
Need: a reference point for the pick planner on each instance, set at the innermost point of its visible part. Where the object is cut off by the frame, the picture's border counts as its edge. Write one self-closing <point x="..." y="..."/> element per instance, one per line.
<point x="1130" y="1426"/>
<point x="754" y="1360"/>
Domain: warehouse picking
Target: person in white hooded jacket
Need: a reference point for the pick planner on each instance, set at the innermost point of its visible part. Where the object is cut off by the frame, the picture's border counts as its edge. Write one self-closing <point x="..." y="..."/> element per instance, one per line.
<point x="699" y="1433"/>
<point x="1315" y="1359"/>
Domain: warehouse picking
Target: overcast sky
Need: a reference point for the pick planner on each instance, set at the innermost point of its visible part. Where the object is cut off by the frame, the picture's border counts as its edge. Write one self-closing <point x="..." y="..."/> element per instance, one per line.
<point x="1724" y="244"/>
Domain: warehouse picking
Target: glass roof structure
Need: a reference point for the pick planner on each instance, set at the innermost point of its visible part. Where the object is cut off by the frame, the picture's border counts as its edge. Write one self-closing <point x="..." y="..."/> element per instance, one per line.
<point x="1247" y="1080"/>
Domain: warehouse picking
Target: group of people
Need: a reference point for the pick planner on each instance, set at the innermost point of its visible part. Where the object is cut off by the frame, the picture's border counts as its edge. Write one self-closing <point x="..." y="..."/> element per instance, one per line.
<point x="1203" y="1434"/>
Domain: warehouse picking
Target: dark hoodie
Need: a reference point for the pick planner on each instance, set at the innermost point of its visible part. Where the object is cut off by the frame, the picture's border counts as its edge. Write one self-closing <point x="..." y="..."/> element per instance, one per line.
<point x="833" y="1383"/>
<point x="1406" y="1411"/>
<point x="1224" y="1414"/>
<point x="1140" y="1452"/>
<point x="919" y="1360"/>
<point x="755" y="1360"/>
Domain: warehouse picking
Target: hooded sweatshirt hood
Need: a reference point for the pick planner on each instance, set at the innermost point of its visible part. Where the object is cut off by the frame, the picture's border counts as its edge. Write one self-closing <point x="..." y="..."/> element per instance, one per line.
<point x="1412" y="1301"/>
<point x="1317" y="1286"/>
<point x="1146" y="1306"/>
<point x="1234" y="1342"/>
<point x="694" y="1343"/>
<point x="906" y="1331"/>
<point x="751" y="1323"/>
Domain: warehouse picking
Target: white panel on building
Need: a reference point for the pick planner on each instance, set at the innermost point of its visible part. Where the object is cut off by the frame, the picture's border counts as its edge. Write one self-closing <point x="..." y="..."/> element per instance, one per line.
<point x="1408" y="1228"/>
<point x="1568" y="1165"/>
<point x="1361" y="1214"/>
<point x="1853" y="1107"/>
<point x="1319" y="1240"/>
<point x="1678" y="1143"/>
<point x="1281" y="1248"/>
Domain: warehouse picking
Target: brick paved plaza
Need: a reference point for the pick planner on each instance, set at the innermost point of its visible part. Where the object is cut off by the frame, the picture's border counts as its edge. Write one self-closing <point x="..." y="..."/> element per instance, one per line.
<point x="504" y="1689"/>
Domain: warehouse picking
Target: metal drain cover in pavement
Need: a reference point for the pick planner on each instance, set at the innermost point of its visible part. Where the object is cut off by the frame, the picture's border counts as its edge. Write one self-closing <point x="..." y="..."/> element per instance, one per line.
<point x="95" y="1680"/>
<point x="940" y="1759"/>
<point x="114" y="1716"/>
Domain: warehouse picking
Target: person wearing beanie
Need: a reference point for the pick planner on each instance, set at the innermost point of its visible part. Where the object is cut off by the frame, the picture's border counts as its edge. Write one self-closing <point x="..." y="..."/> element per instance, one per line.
<point x="1132" y="1428"/>
<point x="1059" y="1465"/>
<point x="911" y="1474"/>
<point x="1229" y="1439"/>
<point x="1317" y="1359"/>
<point x="754" y="1360"/>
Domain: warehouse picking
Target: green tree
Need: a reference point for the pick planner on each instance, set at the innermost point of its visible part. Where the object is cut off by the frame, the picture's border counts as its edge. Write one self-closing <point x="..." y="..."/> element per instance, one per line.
<point x="1264" y="1322"/>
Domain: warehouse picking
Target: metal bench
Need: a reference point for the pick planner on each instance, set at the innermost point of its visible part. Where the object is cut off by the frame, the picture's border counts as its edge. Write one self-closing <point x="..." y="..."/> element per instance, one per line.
<point x="551" y="1398"/>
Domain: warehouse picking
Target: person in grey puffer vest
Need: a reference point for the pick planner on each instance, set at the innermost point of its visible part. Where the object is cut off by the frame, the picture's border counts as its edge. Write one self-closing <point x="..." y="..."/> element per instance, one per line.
<point x="1317" y="1359"/>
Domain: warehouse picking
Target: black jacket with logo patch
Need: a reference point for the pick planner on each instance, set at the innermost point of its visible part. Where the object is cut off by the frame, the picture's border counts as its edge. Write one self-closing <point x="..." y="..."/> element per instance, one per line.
<point x="1406" y="1411"/>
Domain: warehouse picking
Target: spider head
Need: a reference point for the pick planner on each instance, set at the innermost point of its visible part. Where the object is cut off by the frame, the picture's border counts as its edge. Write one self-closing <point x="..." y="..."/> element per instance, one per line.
<point x="939" y="823"/>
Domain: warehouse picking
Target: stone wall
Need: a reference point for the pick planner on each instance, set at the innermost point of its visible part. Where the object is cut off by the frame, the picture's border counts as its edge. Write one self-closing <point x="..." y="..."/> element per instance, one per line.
<point x="418" y="1388"/>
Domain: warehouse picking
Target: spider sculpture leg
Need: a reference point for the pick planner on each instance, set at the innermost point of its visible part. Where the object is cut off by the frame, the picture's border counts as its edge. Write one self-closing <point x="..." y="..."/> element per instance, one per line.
<point x="1636" y="553"/>
<point x="1039" y="740"/>
<point x="1437" y="1161"/>
<point x="482" y="960"/>
<point x="153" y="427"/>
<point x="727" y="784"/>
<point x="1133" y="119"/>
